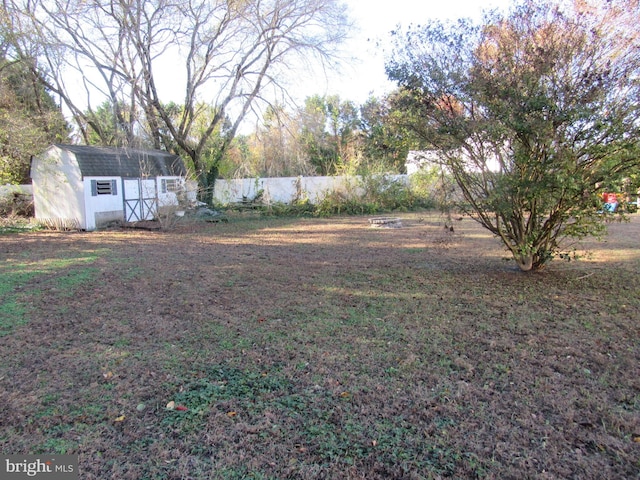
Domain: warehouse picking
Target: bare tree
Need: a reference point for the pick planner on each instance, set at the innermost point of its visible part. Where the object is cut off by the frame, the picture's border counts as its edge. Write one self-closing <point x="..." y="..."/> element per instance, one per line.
<point x="224" y="54"/>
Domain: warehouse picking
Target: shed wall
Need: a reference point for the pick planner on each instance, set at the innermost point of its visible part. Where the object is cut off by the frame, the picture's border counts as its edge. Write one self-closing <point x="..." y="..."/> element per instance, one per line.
<point x="102" y="209"/>
<point x="166" y="197"/>
<point x="58" y="188"/>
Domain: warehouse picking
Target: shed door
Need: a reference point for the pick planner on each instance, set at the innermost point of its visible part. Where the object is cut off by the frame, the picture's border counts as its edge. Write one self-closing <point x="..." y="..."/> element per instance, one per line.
<point x="140" y="199"/>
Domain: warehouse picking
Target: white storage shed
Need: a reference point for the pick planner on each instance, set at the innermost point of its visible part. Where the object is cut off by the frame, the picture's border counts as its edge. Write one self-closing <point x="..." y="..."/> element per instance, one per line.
<point x="89" y="187"/>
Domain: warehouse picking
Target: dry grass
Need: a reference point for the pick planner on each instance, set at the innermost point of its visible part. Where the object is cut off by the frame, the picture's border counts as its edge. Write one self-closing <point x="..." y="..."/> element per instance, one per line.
<point x="319" y="349"/>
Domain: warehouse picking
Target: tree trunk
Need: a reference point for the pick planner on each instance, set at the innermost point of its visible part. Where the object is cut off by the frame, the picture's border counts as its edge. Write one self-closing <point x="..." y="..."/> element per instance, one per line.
<point x="525" y="262"/>
<point x="206" y="183"/>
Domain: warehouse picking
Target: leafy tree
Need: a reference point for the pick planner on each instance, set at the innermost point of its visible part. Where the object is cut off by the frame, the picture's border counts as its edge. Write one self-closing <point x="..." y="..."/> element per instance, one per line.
<point x="313" y="136"/>
<point x="227" y="53"/>
<point x="531" y="112"/>
<point x="29" y="121"/>
<point x="102" y="127"/>
<point x="328" y="133"/>
<point x="343" y="121"/>
<point x="276" y="148"/>
<point x="386" y="137"/>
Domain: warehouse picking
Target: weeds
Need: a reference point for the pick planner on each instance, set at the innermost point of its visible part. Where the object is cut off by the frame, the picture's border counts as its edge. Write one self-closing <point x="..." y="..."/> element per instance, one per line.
<point x="18" y="224"/>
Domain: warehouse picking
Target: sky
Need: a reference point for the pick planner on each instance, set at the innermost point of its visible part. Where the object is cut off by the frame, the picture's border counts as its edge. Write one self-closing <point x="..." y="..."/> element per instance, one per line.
<point x="363" y="74"/>
<point x="375" y="19"/>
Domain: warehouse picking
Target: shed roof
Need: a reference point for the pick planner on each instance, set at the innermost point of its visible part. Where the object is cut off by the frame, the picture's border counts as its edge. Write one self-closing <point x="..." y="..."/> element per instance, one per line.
<point x="125" y="162"/>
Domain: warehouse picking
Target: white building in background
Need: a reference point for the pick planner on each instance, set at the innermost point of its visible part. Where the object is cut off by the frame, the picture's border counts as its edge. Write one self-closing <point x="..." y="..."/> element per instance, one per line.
<point x="425" y="159"/>
<point x="421" y="160"/>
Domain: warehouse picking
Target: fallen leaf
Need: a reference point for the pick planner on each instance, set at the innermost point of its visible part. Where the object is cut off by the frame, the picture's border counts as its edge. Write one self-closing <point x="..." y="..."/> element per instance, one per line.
<point x="345" y="394"/>
<point x="107" y="375"/>
<point x="636" y="438"/>
<point x="182" y="408"/>
<point x="171" y="405"/>
<point x="119" y="419"/>
<point x="231" y="414"/>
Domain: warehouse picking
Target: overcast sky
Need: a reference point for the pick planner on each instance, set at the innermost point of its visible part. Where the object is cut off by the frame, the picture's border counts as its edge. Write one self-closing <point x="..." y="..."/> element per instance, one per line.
<point x="375" y="19"/>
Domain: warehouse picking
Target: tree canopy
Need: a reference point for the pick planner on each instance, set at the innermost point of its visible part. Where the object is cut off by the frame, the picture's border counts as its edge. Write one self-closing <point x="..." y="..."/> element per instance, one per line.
<point x="531" y="112"/>
<point x="223" y="55"/>
<point x="325" y="136"/>
<point x="29" y="121"/>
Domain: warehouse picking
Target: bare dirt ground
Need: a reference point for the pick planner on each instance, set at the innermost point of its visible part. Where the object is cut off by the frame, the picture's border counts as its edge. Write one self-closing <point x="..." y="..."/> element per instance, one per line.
<point x="320" y="348"/>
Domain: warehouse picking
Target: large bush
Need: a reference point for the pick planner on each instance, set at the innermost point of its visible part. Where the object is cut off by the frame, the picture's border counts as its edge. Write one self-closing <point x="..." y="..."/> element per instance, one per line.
<point x="531" y="113"/>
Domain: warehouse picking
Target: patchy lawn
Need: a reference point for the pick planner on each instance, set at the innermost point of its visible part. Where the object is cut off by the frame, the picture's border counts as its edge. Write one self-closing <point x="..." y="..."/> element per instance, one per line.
<point x="319" y="349"/>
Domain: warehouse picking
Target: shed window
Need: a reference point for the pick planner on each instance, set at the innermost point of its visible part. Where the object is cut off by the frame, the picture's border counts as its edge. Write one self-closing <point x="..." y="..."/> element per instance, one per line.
<point x="171" y="185"/>
<point x="103" y="187"/>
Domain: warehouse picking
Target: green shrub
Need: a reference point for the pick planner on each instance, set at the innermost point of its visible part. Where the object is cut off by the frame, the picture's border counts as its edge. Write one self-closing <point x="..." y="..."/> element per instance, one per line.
<point x="373" y="194"/>
<point x="297" y="208"/>
<point x="340" y="203"/>
<point x="434" y="188"/>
